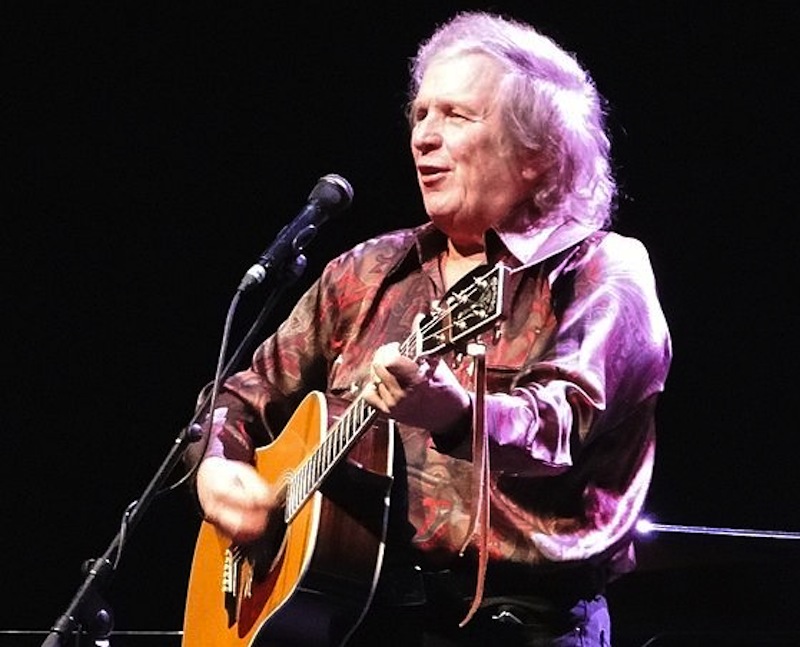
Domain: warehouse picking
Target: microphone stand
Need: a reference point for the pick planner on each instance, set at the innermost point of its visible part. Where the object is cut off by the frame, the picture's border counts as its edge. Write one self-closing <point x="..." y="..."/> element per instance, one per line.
<point x="88" y="610"/>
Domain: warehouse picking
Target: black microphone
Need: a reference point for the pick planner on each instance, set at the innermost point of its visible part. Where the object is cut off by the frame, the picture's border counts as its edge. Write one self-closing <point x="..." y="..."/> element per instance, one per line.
<point x="331" y="195"/>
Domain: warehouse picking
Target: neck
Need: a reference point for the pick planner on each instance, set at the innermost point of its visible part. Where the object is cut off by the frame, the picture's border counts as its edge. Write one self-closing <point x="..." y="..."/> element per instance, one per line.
<point x="460" y="260"/>
<point x="461" y="250"/>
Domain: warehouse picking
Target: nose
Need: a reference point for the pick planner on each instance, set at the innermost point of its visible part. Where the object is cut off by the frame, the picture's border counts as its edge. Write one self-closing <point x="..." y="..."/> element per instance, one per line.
<point x="426" y="134"/>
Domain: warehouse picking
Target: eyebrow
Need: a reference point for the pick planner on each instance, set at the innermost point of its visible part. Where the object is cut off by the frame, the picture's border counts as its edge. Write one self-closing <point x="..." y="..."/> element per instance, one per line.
<point x="446" y="103"/>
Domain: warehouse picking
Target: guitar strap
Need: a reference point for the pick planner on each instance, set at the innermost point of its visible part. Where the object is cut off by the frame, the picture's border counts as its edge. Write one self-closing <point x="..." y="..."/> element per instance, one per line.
<point x="480" y="478"/>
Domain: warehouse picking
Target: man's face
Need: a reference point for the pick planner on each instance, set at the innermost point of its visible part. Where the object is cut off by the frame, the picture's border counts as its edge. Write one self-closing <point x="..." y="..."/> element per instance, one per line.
<point x="468" y="171"/>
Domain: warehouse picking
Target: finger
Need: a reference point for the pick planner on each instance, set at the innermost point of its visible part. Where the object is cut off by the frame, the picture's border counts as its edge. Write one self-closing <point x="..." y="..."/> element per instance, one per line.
<point x="389" y="392"/>
<point x="386" y="353"/>
<point x="403" y="374"/>
<point x="372" y="397"/>
<point x="383" y="376"/>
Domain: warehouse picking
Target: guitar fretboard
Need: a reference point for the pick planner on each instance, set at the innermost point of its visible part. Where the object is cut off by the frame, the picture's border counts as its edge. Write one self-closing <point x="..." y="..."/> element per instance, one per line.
<point x="309" y="476"/>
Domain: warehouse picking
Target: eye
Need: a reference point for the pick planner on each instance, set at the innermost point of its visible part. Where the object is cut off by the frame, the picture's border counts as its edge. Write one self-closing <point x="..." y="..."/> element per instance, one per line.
<point x="418" y="114"/>
<point x="457" y="114"/>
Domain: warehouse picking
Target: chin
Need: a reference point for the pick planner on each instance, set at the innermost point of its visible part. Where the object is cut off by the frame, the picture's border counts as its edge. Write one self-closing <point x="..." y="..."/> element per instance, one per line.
<point x="444" y="222"/>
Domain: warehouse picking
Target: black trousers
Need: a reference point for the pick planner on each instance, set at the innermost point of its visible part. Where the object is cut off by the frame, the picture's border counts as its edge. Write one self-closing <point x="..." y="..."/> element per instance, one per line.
<point x="564" y="610"/>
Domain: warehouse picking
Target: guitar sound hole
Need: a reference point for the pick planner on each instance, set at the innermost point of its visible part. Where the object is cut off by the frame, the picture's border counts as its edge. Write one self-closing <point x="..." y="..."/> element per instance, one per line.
<point x="263" y="555"/>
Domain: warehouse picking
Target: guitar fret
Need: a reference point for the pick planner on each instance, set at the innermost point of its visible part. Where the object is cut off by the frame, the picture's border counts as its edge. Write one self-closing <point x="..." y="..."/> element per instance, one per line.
<point x="305" y="480"/>
<point x="320" y="468"/>
<point x="326" y="450"/>
<point x="353" y="422"/>
<point x="347" y="422"/>
<point x="359" y="421"/>
<point x="289" y="506"/>
<point x="298" y="488"/>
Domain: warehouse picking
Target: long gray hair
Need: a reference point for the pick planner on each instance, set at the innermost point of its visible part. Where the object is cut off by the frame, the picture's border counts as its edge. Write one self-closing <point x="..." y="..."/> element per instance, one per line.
<point x="551" y="107"/>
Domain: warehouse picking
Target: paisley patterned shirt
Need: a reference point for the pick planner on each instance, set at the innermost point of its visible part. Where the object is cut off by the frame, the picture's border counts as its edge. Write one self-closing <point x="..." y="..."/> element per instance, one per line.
<point x="574" y="367"/>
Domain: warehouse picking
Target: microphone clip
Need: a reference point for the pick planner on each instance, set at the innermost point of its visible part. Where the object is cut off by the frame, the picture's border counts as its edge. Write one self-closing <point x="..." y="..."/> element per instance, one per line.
<point x="332" y="194"/>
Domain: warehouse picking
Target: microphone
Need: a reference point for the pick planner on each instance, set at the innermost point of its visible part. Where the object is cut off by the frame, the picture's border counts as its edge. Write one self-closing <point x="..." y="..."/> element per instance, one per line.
<point x="332" y="194"/>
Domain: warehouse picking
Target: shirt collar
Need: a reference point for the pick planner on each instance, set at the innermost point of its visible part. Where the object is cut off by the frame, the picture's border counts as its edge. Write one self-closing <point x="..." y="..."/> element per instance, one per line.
<point x="527" y="247"/>
<point x="533" y="245"/>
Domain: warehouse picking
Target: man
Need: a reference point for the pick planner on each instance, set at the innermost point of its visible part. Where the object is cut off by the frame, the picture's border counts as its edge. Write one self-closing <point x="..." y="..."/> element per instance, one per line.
<point x="513" y="166"/>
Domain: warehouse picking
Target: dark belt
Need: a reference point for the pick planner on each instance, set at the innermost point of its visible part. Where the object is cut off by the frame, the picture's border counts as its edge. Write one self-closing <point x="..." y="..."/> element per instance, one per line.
<point x="414" y="586"/>
<point x="507" y="579"/>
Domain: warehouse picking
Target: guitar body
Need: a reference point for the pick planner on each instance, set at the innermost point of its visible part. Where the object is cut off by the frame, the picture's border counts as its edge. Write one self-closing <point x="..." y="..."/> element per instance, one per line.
<point x="308" y="582"/>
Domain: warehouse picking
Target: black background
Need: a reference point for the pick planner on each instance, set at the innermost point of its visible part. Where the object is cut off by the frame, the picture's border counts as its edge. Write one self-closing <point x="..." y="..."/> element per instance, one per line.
<point x="154" y="149"/>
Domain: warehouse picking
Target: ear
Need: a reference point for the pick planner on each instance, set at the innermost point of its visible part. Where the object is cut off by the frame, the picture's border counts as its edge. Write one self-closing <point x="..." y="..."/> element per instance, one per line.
<point x="530" y="173"/>
<point x="531" y="165"/>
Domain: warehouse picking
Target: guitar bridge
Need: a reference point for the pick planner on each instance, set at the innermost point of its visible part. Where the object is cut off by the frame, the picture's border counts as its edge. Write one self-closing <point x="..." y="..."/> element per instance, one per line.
<point x="229" y="573"/>
<point x="230" y="585"/>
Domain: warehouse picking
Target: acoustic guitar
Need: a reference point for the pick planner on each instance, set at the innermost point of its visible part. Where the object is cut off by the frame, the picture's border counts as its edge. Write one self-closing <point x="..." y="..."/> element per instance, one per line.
<point x="310" y="579"/>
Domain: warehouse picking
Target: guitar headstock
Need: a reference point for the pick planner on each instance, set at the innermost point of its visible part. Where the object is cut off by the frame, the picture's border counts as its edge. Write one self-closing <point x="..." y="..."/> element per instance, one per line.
<point x="470" y="307"/>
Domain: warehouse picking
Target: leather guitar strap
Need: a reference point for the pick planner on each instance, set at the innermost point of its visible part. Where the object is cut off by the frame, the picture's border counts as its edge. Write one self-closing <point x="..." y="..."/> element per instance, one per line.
<point x="480" y="478"/>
